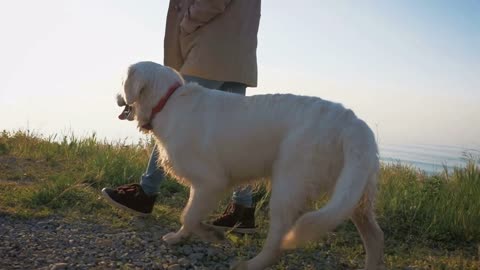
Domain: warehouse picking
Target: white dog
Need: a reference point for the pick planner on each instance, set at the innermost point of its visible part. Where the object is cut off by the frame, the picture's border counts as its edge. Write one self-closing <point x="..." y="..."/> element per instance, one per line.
<point x="213" y="140"/>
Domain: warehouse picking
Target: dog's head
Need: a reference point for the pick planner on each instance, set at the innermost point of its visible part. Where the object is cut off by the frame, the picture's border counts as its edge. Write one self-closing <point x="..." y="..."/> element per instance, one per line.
<point x="145" y="84"/>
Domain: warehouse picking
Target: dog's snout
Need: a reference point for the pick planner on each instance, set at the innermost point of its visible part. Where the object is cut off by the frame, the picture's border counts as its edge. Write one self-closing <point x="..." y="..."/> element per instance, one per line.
<point x="125" y="113"/>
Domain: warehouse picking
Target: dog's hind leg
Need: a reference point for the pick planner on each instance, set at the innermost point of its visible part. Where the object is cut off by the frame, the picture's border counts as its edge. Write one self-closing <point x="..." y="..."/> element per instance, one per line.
<point x="372" y="235"/>
<point x="286" y="202"/>
<point x="200" y="203"/>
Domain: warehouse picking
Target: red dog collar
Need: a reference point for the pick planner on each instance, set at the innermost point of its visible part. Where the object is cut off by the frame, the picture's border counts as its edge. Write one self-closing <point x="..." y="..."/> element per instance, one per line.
<point x="161" y="103"/>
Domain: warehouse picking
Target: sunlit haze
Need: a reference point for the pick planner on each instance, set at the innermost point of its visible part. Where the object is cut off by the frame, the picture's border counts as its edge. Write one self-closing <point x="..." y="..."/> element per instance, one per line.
<point x="410" y="68"/>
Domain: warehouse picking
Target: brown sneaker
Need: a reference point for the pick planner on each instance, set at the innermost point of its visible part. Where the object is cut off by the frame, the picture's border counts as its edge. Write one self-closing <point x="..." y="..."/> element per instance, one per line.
<point x="130" y="197"/>
<point x="237" y="218"/>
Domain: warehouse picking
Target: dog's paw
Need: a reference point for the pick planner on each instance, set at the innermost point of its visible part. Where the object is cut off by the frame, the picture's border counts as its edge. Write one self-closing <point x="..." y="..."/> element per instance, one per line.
<point x="172" y="238"/>
<point x="240" y="265"/>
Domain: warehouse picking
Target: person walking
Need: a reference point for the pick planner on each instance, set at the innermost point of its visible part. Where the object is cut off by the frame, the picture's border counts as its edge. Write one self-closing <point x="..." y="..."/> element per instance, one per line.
<point x="212" y="43"/>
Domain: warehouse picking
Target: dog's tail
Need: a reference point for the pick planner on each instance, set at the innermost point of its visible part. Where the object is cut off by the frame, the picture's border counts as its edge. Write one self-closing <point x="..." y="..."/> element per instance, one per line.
<point x="360" y="169"/>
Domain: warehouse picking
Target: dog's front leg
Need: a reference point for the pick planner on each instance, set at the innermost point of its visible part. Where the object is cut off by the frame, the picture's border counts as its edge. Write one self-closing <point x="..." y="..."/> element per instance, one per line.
<point x="201" y="202"/>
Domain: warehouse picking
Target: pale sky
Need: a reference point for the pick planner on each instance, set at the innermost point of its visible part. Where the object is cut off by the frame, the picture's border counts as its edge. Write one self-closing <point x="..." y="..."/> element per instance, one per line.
<point x="410" y="68"/>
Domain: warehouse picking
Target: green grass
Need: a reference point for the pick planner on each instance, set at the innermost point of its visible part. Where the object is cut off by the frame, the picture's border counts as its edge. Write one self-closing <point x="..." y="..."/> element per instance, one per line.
<point x="45" y="175"/>
<point x="443" y="207"/>
<point x="430" y="221"/>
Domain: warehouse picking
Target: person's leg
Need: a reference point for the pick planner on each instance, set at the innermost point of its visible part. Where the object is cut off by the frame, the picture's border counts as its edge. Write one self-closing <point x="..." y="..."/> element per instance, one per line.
<point x="234" y="87"/>
<point x="212" y="84"/>
<point x="243" y="195"/>
<point x="240" y="213"/>
<point x="153" y="176"/>
<point x="135" y="198"/>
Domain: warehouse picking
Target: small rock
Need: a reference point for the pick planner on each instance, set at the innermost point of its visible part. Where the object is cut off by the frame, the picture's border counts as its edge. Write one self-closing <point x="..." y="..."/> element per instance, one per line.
<point x="187" y="250"/>
<point x="58" y="266"/>
<point x="184" y="261"/>
<point x="196" y="256"/>
<point x="212" y="251"/>
<point x="104" y="242"/>
<point x="174" y="267"/>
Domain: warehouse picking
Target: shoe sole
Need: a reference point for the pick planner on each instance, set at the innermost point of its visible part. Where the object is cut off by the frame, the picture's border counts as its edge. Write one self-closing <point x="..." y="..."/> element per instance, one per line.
<point x="121" y="206"/>
<point x="236" y="229"/>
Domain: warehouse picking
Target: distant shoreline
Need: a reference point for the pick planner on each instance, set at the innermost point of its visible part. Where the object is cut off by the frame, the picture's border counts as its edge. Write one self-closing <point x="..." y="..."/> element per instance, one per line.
<point x="428" y="157"/>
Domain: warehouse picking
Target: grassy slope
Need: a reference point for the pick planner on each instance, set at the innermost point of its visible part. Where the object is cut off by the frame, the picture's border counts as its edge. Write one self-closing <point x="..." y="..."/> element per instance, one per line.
<point x="430" y="222"/>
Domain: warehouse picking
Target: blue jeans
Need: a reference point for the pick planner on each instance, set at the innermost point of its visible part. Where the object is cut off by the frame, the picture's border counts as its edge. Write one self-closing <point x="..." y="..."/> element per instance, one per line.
<point x="154" y="175"/>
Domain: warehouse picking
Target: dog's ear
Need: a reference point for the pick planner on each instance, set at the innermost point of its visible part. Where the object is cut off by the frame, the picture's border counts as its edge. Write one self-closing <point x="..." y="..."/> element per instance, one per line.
<point x="133" y="85"/>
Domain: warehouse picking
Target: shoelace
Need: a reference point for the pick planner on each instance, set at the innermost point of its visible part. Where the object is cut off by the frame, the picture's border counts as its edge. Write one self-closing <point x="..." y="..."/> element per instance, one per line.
<point x="132" y="188"/>
<point x="230" y="210"/>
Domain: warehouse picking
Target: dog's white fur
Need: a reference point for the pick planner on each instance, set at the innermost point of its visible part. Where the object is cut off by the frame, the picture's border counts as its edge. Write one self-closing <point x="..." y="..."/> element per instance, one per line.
<point x="213" y="140"/>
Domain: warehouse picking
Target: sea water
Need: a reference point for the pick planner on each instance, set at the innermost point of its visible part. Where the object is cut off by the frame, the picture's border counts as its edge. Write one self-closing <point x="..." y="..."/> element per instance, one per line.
<point x="428" y="157"/>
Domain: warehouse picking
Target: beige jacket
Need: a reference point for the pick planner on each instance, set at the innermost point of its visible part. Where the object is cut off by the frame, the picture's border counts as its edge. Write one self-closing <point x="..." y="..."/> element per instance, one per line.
<point x="213" y="39"/>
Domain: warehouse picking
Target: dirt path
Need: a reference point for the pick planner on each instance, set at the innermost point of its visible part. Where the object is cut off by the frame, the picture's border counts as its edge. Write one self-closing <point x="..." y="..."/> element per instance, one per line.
<point x="54" y="243"/>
